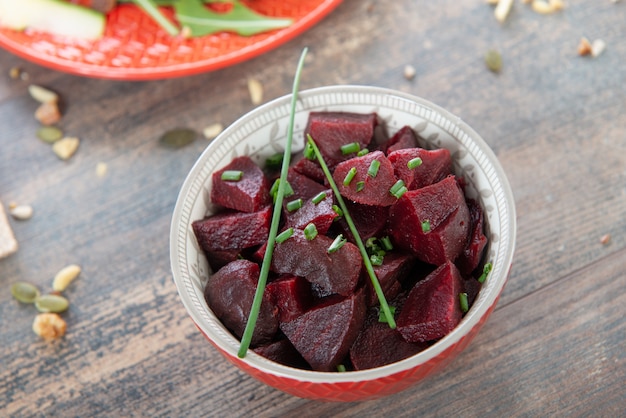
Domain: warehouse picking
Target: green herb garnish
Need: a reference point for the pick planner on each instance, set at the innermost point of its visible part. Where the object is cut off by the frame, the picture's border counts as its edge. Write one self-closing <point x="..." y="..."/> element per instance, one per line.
<point x="426" y="226"/>
<point x="341" y="368"/>
<point x="294" y="205"/>
<point x="386" y="243"/>
<point x="337" y="244"/>
<point x="349" y="176"/>
<point x="372" y="171"/>
<point x="337" y="210"/>
<point x="284" y="236"/>
<point x="232" y="175"/>
<point x="360" y="185"/>
<point x="376" y="259"/>
<point x="463" y="302"/>
<point x="383" y="318"/>
<point x="486" y="271"/>
<point x="414" y="163"/>
<point x="350" y="148"/>
<point x="398" y="189"/>
<point x="308" y="152"/>
<point x="274" y="189"/>
<point x="310" y="231"/>
<point x="363" y="152"/>
<point x="274" y="162"/>
<point x="318" y="197"/>
<point x="271" y="240"/>
<point x="355" y="233"/>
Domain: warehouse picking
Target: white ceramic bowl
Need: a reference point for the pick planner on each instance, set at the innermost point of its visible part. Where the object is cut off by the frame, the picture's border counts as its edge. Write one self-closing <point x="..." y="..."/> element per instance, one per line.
<point x="262" y="133"/>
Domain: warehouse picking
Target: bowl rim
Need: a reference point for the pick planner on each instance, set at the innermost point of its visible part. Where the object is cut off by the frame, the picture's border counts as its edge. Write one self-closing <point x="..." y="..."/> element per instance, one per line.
<point x="471" y="319"/>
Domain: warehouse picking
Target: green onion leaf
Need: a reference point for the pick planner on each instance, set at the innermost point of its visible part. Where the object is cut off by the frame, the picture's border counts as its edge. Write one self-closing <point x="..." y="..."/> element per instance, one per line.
<point x="486" y="271"/>
<point x="426" y="226"/>
<point x="341" y="368"/>
<point x="350" y="148"/>
<point x="318" y="197"/>
<point x="398" y="189"/>
<point x="373" y="169"/>
<point x="337" y="210"/>
<point x="382" y="317"/>
<point x="386" y="242"/>
<point x="232" y="175"/>
<point x="463" y="302"/>
<point x="294" y="205"/>
<point x="308" y="152"/>
<point x="271" y="240"/>
<point x="274" y="189"/>
<point x="370" y="242"/>
<point x="349" y="176"/>
<point x="284" y="236"/>
<point x="363" y="152"/>
<point x="337" y="244"/>
<point x="310" y="231"/>
<point x="355" y="233"/>
<point x="274" y="162"/>
<point x="360" y="185"/>
<point x="376" y="259"/>
<point x="414" y="163"/>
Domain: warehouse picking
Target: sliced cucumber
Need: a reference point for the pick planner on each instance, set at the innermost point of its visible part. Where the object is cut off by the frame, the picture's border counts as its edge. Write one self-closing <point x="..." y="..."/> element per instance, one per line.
<point x="52" y="16"/>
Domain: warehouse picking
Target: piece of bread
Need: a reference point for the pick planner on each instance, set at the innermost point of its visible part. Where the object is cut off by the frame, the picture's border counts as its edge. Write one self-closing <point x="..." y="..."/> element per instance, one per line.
<point x="8" y="244"/>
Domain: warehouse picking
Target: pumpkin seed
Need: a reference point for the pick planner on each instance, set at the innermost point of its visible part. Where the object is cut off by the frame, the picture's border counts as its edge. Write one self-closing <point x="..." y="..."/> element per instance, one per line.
<point x="178" y="138"/>
<point x="493" y="60"/>
<point x="51" y="303"/>
<point x="24" y="292"/>
<point x="65" y="276"/>
<point x="42" y="94"/>
<point x="49" y="134"/>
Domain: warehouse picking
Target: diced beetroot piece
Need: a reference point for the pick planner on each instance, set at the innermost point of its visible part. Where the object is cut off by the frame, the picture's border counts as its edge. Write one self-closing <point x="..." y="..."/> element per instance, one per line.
<point x="310" y="169"/>
<point x="233" y="230"/>
<point x="283" y="352"/>
<point x="432" y="222"/>
<point x="291" y="295"/>
<point x="436" y="165"/>
<point x="395" y="266"/>
<point x="473" y="252"/>
<point x="324" y="334"/>
<point x="369" y="220"/>
<point x="303" y="186"/>
<point x="374" y="190"/>
<point x="218" y="259"/>
<point x="472" y="287"/>
<point x="320" y="214"/>
<point x="337" y="272"/>
<point x="432" y="308"/>
<point x="332" y="130"/>
<point x="404" y="138"/>
<point x="229" y="293"/>
<point x="249" y="194"/>
<point x="378" y="345"/>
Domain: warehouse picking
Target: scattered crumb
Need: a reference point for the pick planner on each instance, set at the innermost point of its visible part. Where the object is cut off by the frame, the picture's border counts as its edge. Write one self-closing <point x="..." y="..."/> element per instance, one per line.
<point x="542" y="7"/>
<point x="24" y="76"/>
<point x="101" y="169"/>
<point x="409" y="72"/>
<point x="597" y="47"/>
<point x="502" y="10"/>
<point x="66" y="147"/>
<point x="493" y="2"/>
<point x="48" y="113"/>
<point x="212" y="130"/>
<point x="584" y="47"/>
<point x="256" y="91"/>
<point x="605" y="239"/>
<point x="15" y="72"/>
<point x="49" y="326"/>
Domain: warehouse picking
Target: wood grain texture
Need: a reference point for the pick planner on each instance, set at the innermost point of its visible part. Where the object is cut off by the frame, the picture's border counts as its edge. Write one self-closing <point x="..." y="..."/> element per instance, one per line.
<point x="557" y="121"/>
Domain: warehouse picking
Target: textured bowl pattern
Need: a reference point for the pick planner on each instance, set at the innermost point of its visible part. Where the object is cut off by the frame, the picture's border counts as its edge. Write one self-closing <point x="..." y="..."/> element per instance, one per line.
<point x="262" y="133"/>
<point x="134" y="47"/>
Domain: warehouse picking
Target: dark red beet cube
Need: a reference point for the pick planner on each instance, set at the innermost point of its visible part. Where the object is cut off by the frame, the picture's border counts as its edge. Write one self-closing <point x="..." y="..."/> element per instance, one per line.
<point x="432" y="308"/>
<point x="320" y="214"/>
<point x="369" y="220"/>
<point x="233" y="230"/>
<point x="249" y="194"/>
<point x="283" y="352"/>
<point x="229" y="293"/>
<point x="337" y="272"/>
<point x="378" y="345"/>
<point x="218" y="259"/>
<point x="303" y="186"/>
<point x="473" y="252"/>
<point x="365" y="188"/>
<point x="404" y="138"/>
<point x="432" y="222"/>
<point x="291" y="295"/>
<point x="436" y="165"/>
<point x="395" y="266"/>
<point x="310" y="169"/>
<point x="332" y="130"/>
<point x="324" y="334"/>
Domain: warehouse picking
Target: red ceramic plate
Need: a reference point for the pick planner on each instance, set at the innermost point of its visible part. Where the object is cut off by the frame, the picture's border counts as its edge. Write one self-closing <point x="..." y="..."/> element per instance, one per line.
<point x="136" y="48"/>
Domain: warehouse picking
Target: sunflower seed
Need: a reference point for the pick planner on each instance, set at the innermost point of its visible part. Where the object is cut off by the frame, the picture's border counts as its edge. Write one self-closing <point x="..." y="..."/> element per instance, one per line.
<point x="42" y="94"/>
<point x="24" y="292"/>
<point x="21" y="212"/>
<point x="51" y="303"/>
<point x="49" y="134"/>
<point x="502" y="10"/>
<point x="256" y="91"/>
<point x="212" y="131"/>
<point x="65" y="276"/>
<point x="178" y="138"/>
<point x="66" y="147"/>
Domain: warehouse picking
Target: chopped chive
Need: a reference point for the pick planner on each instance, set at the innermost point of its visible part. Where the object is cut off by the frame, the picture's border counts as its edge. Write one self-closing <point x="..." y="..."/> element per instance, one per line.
<point x="426" y="226"/>
<point x="370" y="242"/>
<point x="383" y="318"/>
<point x="318" y="197"/>
<point x="373" y="170"/>
<point x="337" y="210"/>
<point x="337" y="244"/>
<point x="350" y="148"/>
<point x="400" y="192"/>
<point x="363" y="152"/>
<point x="396" y="187"/>
<point x="284" y="236"/>
<point x="463" y="302"/>
<point x="274" y="189"/>
<point x="341" y="368"/>
<point x="271" y="239"/>
<point x="274" y="162"/>
<point x="486" y="271"/>
<point x="232" y="175"/>
<point x="414" y="163"/>
<point x="310" y="231"/>
<point x="366" y="260"/>
<point x="386" y="242"/>
<point x="349" y="176"/>
<point x="360" y="185"/>
<point x="376" y="259"/>
<point x="294" y="205"/>
<point x="308" y="152"/>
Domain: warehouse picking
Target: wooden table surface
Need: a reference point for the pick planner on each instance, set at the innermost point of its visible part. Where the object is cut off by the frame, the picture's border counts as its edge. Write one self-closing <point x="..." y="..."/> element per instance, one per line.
<point x="556" y="343"/>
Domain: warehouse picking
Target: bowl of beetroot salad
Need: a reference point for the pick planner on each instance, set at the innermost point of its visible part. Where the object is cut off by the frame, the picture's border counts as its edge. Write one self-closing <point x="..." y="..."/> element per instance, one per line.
<point x="400" y="189"/>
